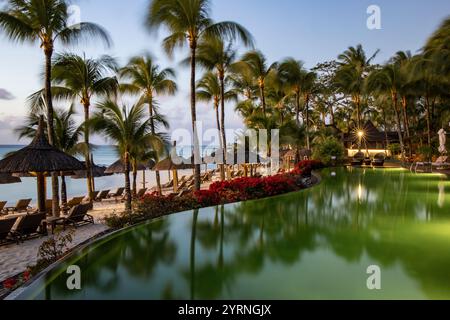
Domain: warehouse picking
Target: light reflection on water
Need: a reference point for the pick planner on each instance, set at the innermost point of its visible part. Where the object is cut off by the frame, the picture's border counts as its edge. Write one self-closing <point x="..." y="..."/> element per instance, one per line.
<point x="315" y="244"/>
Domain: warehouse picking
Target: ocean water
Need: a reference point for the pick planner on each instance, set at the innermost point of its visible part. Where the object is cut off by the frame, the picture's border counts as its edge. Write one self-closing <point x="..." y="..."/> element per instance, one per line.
<point x="103" y="155"/>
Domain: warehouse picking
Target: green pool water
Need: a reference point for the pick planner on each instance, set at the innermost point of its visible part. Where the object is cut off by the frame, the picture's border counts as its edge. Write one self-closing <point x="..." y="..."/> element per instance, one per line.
<point x="314" y="244"/>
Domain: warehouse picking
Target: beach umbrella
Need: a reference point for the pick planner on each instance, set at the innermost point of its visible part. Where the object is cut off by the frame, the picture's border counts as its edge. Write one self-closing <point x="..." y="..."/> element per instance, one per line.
<point x="6" y="178"/>
<point x="97" y="172"/>
<point x="118" y="167"/>
<point x="169" y="165"/>
<point x="442" y="141"/>
<point x="39" y="158"/>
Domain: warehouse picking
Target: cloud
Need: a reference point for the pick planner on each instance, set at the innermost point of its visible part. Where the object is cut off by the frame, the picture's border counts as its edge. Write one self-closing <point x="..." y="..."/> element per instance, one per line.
<point x="6" y="95"/>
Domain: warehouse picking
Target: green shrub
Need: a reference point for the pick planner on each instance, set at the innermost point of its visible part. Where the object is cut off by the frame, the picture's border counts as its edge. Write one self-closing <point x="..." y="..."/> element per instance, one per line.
<point x="395" y="148"/>
<point x="328" y="149"/>
<point x="425" y="152"/>
<point x="52" y="249"/>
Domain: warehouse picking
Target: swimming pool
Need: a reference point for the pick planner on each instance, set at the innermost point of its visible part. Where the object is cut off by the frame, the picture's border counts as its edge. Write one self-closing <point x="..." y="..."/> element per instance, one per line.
<point x="313" y="244"/>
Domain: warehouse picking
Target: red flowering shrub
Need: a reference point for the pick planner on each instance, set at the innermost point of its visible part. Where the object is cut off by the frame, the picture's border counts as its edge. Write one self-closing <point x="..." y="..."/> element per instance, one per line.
<point x="9" y="283"/>
<point x="207" y="198"/>
<point x="305" y="168"/>
<point x="241" y="189"/>
<point x="280" y="184"/>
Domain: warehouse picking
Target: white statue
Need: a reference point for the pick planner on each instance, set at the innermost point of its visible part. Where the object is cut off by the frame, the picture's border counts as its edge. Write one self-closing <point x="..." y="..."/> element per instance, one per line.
<point x="442" y="141"/>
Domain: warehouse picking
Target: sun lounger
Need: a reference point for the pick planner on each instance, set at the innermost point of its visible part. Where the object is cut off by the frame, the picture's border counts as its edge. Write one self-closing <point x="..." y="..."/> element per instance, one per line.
<point x="22" y="205"/>
<point x="183" y="178"/>
<point x="378" y="160"/>
<point x="117" y="194"/>
<point x="102" y="195"/>
<point x="2" y="206"/>
<point x="441" y="163"/>
<point x="28" y="226"/>
<point x="141" y="193"/>
<point x="167" y="185"/>
<point x="77" y="216"/>
<point x="74" y="202"/>
<point x="182" y="193"/>
<point x="94" y="196"/>
<point x="6" y="226"/>
<point x="358" y="159"/>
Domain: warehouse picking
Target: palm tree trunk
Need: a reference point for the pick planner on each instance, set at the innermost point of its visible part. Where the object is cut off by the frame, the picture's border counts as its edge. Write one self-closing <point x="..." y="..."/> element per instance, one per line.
<point x="134" y="181"/>
<point x="399" y="123"/>
<point x="297" y="108"/>
<point x="224" y="136"/>
<point x="152" y="125"/>
<point x="63" y="193"/>
<point x="87" y="156"/>
<point x="385" y="129"/>
<point x="50" y="128"/>
<point x="406" y="121"/>
<point x="405" y="115"/>
<point x="263" y="97"/>
<point x="358" y="111"/>
<point x="427" y="105"/>
<point x="222" y="166"/>
<point x="308" y="143"/>
<point x="127" y="182"/>
<point x="197" y="184"/>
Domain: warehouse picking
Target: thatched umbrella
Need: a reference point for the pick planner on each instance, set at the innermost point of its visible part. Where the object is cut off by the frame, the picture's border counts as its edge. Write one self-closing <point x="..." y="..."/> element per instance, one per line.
<point x="39" y="158"/>
<point x="169" y="165"/>
<point x="97" y="172"/>
<point x="6" y="178"/>
<point x="118" y="167"/>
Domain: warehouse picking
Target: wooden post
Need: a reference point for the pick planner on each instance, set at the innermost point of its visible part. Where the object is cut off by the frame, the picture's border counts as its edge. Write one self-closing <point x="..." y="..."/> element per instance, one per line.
<point x="41" y="192"/>
<point x="143" y="179"/>
<point x="175" y="181"/>
<point x="92" y="171"/>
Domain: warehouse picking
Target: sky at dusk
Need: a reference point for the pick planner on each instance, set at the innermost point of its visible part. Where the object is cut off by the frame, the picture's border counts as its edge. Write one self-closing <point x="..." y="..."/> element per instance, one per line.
<point x="312" y="31"/>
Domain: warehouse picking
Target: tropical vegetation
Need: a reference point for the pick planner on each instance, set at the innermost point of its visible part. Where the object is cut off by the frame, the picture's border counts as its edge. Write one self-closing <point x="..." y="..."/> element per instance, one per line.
<point x="310" y="106"/>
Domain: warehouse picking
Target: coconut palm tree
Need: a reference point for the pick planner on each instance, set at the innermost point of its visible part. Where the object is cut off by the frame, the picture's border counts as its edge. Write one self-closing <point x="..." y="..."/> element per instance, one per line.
<point x="46" y="22"/>
<point x="141" y="155"/>
<point x="67" y="137"/>
<point x="209" y="89"/>
<point x="308" y="89"/>
<point x="387" y="80"/>
<point x="148" y="80"/>
<point x="293" y="73"/>
<point x="78" y="78"/>
<point x="129" y="129"/>
<point x="437" y="48"/>
<point x="188" y="22"/>
<point x="354" y="67"/>
<point x="256" y="63"/>
<point x="406" y="91"/>
<point x="213" y="54"/>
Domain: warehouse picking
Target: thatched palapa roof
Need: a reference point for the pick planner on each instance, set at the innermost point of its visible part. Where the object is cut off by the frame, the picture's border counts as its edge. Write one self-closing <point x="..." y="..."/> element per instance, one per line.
<point x="39" y="156"/>
<point x="97" y="172"/>
<point x="6" y="178"/>
<point x="119" y="167"/>
<point x="167" y="164"/>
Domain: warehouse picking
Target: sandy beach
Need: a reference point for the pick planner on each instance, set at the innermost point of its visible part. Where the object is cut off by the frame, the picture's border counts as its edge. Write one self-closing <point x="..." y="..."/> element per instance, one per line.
<point x="15" y="258"/>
